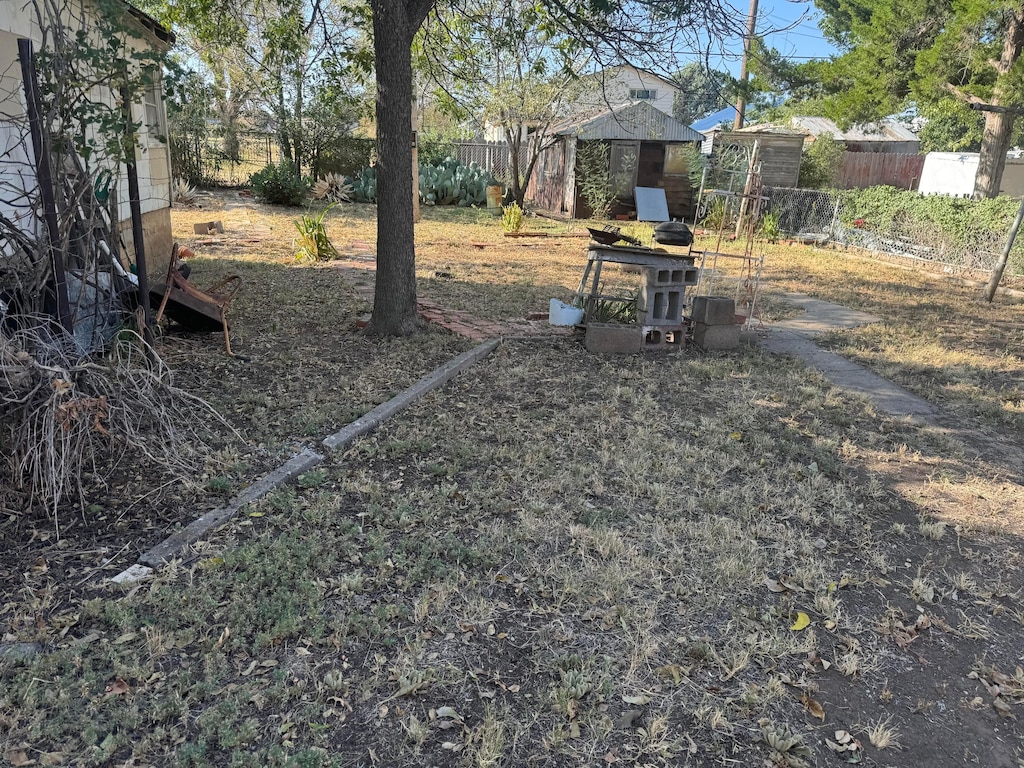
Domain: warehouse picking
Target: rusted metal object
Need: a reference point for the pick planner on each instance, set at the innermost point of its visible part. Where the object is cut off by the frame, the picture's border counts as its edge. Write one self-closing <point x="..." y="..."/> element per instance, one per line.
<point x="197" y="309"/>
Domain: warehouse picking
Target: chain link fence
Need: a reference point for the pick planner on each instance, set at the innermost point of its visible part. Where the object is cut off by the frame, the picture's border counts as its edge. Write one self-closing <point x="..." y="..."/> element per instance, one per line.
<point x="824" y="216"/>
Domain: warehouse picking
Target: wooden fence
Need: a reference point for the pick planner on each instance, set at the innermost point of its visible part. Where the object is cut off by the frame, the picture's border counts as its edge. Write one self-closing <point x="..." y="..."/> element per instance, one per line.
<point x="868" y="169"/>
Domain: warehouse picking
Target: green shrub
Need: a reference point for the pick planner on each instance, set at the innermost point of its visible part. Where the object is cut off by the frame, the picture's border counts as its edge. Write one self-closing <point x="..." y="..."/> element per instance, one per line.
<point x="312" y="242"/>
<point x="280" y="184"/>
<point x="821" y="162"/>
<point x="364" y="185"/>
<point x="449" y="182"/>
<point x="885" y="208"/>
<point x="512" y="217"/>
<point x="592" y="177"/>
<point x="770" y="229"/>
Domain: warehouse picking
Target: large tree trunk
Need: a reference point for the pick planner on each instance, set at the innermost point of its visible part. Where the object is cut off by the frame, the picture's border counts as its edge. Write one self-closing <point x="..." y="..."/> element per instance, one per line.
<point x="999" y="125"/>
<point x="394" y="301"/>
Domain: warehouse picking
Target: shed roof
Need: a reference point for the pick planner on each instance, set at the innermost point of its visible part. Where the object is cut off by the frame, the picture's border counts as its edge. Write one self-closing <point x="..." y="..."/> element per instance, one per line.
<point x="883" y="130"/>
<point x="637" y="120"/>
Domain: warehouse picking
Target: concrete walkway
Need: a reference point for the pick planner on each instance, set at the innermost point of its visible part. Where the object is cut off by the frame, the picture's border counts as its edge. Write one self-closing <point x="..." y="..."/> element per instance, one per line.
<point x="796" y="337"/>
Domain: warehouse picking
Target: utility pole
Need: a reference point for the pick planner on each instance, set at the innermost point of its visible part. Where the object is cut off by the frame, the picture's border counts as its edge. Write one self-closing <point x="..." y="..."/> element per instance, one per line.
<point x="741" y="103"/>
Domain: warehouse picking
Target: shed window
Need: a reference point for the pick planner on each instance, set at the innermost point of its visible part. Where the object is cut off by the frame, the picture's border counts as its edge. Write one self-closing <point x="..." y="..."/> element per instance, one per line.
<point x="675" y="160"/>
<point x="643" y="94"/>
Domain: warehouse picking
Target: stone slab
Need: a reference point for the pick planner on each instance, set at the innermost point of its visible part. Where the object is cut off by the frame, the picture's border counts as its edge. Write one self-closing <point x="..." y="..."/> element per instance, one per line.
<point x="822" y="316"/>
<point x="208" y="227"/>
<point x="370" y="421"/>
<point x="135" y="573"/>
<point x="215" y="518"/>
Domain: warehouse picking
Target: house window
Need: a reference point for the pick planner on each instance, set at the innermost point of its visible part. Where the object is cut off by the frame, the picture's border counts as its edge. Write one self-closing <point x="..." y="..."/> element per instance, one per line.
<point x="643" y="94"/>
<point x="153" y="120"/>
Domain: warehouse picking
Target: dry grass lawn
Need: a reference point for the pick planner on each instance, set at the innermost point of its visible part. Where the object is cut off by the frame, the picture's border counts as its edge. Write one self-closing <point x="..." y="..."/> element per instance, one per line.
<point x="560" y="559"/>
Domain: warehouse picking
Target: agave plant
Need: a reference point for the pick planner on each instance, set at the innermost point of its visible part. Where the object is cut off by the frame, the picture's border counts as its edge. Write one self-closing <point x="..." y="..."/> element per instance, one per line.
<point x="183" y="192"/>
<point x="333" y="188"/>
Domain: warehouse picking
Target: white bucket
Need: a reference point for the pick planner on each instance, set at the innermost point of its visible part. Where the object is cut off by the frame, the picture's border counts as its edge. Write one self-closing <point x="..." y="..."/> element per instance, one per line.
<point x="560" y="313"/>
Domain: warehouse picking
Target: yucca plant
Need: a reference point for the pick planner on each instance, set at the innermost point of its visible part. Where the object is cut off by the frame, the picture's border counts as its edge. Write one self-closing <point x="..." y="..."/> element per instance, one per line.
<point x="312" y="242"/>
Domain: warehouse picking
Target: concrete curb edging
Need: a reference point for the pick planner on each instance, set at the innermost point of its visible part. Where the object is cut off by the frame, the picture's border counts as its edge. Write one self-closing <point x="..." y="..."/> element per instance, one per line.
<point x="215" y="518"/>
<point x="370" y="421"/>
<point x="302" y="462"/>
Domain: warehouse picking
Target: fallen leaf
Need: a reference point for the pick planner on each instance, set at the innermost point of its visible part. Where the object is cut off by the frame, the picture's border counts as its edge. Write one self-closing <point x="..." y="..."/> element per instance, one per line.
<point x="1000" y="705"/>
<point x="671" y="670"/>
<point x="117" y="688"/>
<point x="802" y="621"/>
<point x="813" y="707"/>
<point x="775" y="586"/>
<point x="736" y="435"/>
<point x="638" y="700"/>
<point x="692" y="745"/>
<point x="18" y="757"/>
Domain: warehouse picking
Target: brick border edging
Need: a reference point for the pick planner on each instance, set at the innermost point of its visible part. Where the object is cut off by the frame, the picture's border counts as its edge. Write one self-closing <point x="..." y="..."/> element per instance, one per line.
<point x="302" y="462"/>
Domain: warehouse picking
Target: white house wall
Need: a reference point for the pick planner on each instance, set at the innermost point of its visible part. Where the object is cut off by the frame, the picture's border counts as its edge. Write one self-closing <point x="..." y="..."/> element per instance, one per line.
<point x="613" y="86"/>
<point x="18" y="20"/>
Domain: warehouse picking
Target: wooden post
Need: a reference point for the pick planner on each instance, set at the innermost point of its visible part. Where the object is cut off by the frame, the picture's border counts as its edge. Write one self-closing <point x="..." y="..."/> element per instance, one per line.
<point x="135" y="204"/>
<point x="44" y="176"/>
<point x="415" y="180"/>
<point x="997" y="272"/>
<point x="754" y="156"/>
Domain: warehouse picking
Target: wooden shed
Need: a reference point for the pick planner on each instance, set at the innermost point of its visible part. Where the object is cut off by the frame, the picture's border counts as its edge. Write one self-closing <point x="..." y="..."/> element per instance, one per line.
<point x="780" y="151"/>
<point x="645" y="149"/>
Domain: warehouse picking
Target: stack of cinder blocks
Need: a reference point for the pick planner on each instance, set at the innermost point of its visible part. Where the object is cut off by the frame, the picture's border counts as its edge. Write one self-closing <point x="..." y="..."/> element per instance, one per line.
<point x="714" y="324"/>
<point x="659" y="310"/>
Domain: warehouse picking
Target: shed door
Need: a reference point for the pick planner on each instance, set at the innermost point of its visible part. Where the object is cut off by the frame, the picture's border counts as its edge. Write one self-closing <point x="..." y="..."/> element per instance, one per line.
<point x="622" y="169"/>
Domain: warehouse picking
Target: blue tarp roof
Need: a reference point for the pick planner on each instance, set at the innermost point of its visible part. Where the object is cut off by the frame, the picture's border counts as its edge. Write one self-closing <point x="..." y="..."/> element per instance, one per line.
<point x="728" y="114"/>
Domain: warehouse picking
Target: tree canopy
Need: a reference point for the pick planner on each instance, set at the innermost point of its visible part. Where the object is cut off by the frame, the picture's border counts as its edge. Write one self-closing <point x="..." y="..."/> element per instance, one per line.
<point x="282" y="35"/>
<point x="940" y="55"/>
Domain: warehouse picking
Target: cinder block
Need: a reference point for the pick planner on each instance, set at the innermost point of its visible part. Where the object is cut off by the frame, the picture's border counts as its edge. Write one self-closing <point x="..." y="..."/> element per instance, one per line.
<point x="716" y="336"/>
<point x="713" y="310"/>
<point x="661" y="338"/>
<point x="208" y="228"/>
<point x="671" y="276"/>
<point x="613" y="338"/>
<point x="660" y="306"/>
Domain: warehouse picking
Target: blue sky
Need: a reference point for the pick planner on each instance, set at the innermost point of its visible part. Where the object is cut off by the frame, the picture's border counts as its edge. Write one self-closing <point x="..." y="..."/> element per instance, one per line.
<point x="798" y="39"/>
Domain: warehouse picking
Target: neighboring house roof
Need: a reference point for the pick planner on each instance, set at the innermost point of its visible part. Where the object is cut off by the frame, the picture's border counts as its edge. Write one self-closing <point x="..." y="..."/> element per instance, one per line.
<point x="715" y="119"/>
<point x="763" y="129"/>
<point x="632" y="120"/>
<point x="883" y="130"/>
